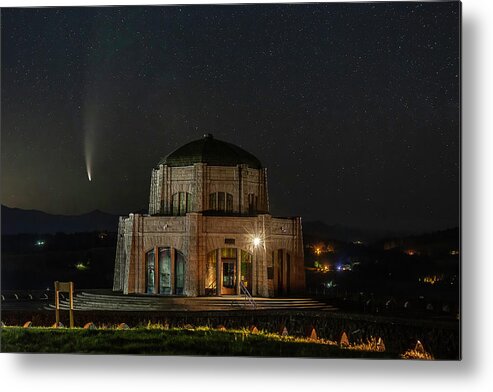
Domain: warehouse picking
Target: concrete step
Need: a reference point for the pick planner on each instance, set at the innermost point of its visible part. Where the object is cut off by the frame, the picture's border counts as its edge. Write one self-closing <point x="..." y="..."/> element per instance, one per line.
<point x="106" y="300"/>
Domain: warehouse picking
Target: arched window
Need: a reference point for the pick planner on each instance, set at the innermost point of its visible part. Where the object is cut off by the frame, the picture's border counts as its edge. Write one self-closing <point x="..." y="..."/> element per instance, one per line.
<point x="170" y="266"/>
<point x="181" y="203"/>
<point x="164" y="262"/>
<point x="282" y="268"/>
<point x="150" y="267"/>
<point x="221" y="201"/>
<point x="179" y="273"/>
<point x="246" y="269"/>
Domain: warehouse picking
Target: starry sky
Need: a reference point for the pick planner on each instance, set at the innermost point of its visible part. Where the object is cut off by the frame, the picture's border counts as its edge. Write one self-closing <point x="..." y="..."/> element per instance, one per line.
<point x="353" y="108"/>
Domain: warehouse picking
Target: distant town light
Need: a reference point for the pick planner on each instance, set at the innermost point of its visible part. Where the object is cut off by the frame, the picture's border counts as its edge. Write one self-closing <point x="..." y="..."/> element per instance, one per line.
<point x="40" y="243"/>
<point x="81" y="267"/>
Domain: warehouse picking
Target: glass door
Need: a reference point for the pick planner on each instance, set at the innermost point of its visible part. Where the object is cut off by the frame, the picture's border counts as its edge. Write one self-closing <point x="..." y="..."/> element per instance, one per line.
<point x="228" y="276"/>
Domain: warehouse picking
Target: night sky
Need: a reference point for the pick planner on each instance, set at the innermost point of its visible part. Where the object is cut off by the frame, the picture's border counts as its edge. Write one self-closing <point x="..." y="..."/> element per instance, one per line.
<point x="353" y="108"/>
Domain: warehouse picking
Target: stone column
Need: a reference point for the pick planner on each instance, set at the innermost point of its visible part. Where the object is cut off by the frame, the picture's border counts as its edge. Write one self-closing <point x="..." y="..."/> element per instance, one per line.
<point x="128" y="239"/>
<point x="299" y="256"/>
<point x="165" y="189"/>
<point x="266" y="192"/>
<point x="199" y="185"/>
<point x="192" y="224"/>
<point x="218" y="272"/>
<point x="139" y="263"/>
<point x="263" y="283"/>
<point x="152" y="193"/>
<point x="243" y="191"/>
<point x="238" y="270"/>
<point x="132" y="270"/>
<point x="254" y="272"/>
<point x="119" y="273"/>
<point x="202" y="255"/>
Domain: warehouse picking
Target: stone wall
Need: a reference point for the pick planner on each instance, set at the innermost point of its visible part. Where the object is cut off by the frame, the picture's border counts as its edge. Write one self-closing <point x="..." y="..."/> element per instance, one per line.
<point x="195" y="235"/>
<point x="200" y="180"/>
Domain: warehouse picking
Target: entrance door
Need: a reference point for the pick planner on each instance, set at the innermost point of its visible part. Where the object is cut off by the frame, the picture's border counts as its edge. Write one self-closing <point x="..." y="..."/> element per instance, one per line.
<point x="228" y="277"/>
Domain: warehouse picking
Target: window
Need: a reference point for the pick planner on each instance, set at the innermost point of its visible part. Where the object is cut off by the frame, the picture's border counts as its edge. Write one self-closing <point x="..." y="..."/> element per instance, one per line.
<point x="175" y="203"/>
<point x="252" y="203"/>
<point x="221" y="201"/>
<point x="150" y="265"/>
<point x="181" y="203"/>
<point x="229" y="202"/>
<point x="164" y="270"/>
<point x="170" y="266"/>
<point x="179" y="273"/>
<point x="210" y="273"/>
<point x="212" y="201"/>
<point x="246" y="269"/>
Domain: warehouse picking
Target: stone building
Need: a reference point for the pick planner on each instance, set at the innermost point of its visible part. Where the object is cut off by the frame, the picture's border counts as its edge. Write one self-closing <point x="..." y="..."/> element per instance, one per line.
<point x="209" y="230"/>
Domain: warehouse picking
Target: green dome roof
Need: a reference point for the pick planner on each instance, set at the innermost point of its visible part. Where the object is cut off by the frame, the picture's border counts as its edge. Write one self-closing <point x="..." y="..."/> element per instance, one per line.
<point x="211" y="151"/>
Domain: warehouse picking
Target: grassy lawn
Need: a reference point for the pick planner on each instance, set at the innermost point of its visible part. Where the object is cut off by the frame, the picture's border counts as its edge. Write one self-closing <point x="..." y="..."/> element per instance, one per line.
<point x="174" y="341"/>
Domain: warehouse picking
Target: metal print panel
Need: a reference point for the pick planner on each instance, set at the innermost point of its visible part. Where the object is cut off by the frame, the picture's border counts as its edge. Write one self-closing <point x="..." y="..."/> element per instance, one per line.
<point x="275" y="180"/>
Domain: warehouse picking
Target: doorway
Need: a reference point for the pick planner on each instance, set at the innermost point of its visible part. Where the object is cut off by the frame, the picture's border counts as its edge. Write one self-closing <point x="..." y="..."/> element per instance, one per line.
<point x="228" y="276"/>
<point x="226" y="270"/>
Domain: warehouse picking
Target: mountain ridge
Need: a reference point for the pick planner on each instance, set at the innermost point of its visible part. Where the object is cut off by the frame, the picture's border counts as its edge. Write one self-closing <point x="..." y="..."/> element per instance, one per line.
<point x="21" y="221"/>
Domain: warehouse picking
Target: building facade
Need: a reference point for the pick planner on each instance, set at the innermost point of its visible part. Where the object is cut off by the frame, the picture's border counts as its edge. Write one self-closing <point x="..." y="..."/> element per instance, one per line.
<point x="209" y="230"/>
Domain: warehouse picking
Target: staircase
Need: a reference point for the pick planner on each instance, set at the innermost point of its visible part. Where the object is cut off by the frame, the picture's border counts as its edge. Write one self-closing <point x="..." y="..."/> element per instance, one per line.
<point x="109" y="301"/>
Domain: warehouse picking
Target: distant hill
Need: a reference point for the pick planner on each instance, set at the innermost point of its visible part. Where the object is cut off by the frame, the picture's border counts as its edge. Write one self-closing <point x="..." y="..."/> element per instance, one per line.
<point x="443" y="241"/>
<point x="318" y="230"/>
<point x="17" y="221"/>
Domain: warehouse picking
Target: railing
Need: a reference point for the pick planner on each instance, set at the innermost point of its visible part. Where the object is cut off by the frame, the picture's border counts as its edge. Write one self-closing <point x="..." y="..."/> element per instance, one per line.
<point x="247" y="297"/>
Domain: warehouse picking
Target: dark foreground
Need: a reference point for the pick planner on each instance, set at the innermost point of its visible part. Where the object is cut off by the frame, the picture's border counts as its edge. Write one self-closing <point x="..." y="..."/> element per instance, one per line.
<point x="161" y="341"/>
<point x="440" y="336"/>
<point x="440" y="339"/>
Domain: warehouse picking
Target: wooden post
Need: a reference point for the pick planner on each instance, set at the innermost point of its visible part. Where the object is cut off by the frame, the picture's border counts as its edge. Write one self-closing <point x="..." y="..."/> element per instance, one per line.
<point x="64" y="287"/>
<point x="57" y="304"/>
<point x="71" y="296"/>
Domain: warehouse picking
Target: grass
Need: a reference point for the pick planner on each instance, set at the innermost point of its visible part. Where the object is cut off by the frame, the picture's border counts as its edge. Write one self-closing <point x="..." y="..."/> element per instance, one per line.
<point x="159" y="340"/>
<point x="416" y="354"/>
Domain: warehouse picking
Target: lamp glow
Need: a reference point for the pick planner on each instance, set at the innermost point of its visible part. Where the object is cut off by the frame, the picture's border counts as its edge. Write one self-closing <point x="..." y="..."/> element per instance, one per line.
<point x="256" y="241"/>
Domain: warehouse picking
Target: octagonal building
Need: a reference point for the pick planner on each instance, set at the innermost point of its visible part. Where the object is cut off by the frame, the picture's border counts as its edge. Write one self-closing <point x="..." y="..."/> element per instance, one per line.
<point x="209" y="230"/>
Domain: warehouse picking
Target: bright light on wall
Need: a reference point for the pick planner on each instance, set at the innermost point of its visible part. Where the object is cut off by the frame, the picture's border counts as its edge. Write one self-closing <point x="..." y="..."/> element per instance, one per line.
<point x="256" y="241"/>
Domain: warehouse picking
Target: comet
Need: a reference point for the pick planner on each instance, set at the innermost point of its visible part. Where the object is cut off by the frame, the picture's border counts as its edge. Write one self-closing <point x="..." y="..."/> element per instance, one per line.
<point x="88" y="172"/>
<point x="91" y="117"/>
<point x="88" y="153"/>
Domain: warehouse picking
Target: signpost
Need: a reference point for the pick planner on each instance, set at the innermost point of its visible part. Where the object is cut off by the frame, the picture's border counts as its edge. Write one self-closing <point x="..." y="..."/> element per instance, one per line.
<point x="64" y="287"/>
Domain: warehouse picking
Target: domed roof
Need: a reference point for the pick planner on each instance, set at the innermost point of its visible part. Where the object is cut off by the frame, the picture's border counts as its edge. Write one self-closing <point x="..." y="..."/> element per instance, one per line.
<point x="211" y="151"/>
